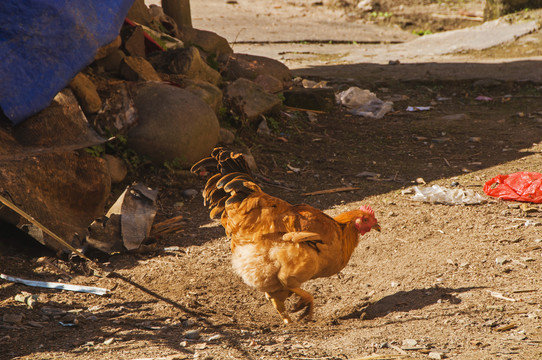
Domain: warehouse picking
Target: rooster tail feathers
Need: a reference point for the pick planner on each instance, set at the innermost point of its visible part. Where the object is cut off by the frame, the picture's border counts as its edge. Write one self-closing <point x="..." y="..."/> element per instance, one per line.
<point x="231" y="162"/>
<point x="225" y="179"/>
<point x="208" y="164"/>
<point x="210" y="186"/>
<point x="232" y="181"/>
<point x="216" y="151"/>
<point x="223" y="162"/>
<point x="218" y="209"/>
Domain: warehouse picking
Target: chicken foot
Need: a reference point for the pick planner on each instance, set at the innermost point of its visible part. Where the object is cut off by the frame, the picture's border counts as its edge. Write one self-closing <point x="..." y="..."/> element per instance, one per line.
<point x="277" y="299"/>
<point x="306" y="302"/>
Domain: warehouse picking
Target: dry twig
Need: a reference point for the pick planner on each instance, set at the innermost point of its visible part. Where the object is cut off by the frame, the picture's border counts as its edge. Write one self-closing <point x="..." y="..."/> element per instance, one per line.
<point x="330" y="191"/>
<point x="501" y="296"/>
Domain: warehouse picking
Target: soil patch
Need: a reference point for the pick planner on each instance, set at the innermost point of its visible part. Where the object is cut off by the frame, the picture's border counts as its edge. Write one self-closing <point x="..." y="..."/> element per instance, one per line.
<point x="420" y="16"/>
<point x="461" y="282"/>
<point x="429" y="278"/>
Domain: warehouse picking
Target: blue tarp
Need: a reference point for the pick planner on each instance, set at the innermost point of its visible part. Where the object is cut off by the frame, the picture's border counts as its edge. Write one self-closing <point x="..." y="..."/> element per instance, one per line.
<point x="45" y="43"/>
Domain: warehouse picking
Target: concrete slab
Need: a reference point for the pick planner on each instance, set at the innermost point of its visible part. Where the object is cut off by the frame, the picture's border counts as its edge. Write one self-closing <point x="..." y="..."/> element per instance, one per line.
<point x="480" y="37"/>
<point x="421" y="49"/>
<point x="279" y="21"/>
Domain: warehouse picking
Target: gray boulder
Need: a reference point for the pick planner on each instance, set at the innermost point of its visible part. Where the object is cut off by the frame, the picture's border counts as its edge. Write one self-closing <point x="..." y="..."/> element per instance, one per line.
<point x="134" y="41"/>
<point x="187" y="62"/>
<point x="173" y="124"/>
<point x="207" y="92"/>
<point x="117" y="168"/>
<point x="139" y="12"/>
<point x="136" y="68"/>
<point x="111" y="62"/>
<point x="250" y="100"/>
<point x="227" y="137"/>
<point x="63" y="190"/>
<point x="62" y="126"/>
<point x="207" y="41"/>
<point x="269" y="83"/>
<point x="85" y="91"/>
<point x="251" y="66"/>
<point x="108" y="49"/>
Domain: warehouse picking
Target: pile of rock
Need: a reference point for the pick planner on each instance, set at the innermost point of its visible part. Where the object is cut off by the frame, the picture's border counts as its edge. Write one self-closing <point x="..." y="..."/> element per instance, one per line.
<point x="161" y="90"/>
<point x="164" y="90"/>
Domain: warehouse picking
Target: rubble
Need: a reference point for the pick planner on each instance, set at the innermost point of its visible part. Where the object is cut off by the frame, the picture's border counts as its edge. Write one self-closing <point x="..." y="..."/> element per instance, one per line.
<point x="207" y="41"/>
<point x="137" y="68"/>
<point x="322" y="99"/>
<point x="206" y="91"/>
<point x="157" y="88"/>
<point x="250" y="99"/>
<point x="86" y="93"/>
<point x="134" y="41"/>
<point x="187" y="62"/>
<point x="251" y="66"/>
<point x="117" y="168"/>
<point x="108" y="49"/>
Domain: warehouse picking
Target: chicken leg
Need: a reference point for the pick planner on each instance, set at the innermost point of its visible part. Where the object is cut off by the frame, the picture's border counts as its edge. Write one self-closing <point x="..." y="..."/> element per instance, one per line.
<point x="277" y="299"/>
<point x="306" y="302"/>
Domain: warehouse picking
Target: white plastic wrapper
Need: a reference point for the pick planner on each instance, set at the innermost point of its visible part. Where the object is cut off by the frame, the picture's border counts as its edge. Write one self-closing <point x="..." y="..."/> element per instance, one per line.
<point x="364" y="103"/>
<point x="439" y="195"/>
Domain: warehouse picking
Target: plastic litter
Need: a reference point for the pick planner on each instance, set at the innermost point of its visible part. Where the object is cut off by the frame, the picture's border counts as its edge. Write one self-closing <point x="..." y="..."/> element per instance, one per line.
<point x="418" y="108"/>
<point x="364" y="103"/>
<point x="56" y="285"/>
<point x="520" y="186"/>
<point x="440" y="195"/>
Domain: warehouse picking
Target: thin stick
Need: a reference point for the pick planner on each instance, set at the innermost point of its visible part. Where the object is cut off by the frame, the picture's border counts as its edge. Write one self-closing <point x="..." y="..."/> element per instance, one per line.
<point x="330" y="191"/>
<point x="501" y="296"/>
<point x="506" y="327"/>
<point x="19" y="211"/>
<point x="307" y="110"/>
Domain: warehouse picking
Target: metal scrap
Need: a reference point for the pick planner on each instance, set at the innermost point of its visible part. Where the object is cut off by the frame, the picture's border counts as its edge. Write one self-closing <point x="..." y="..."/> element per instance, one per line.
<point x="56" y="285"/>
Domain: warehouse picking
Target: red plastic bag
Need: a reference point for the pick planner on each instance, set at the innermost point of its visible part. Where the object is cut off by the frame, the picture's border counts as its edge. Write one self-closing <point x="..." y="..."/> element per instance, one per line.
<point x="520" y="186"/>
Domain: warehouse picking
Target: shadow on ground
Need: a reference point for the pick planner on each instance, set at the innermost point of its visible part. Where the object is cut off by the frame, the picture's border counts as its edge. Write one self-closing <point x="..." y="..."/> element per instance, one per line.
<point x="333" y="152"/>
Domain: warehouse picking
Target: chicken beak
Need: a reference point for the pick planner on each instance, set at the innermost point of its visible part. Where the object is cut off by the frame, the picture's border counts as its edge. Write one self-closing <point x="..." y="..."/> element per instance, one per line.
<point x="376" y="227"/>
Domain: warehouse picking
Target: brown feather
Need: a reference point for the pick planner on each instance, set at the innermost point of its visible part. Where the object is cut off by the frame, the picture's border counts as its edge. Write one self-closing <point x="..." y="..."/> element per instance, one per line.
<point x="300" y="236"/>
<point x="207" y="163"/>
<point x="219" y="207"/>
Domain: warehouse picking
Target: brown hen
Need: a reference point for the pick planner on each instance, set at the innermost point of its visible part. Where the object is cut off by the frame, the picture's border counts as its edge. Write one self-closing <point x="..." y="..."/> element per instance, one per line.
<point x="277" y="246"/>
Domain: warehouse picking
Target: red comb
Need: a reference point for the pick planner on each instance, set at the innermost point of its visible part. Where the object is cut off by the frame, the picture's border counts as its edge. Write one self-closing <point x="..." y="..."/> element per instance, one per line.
<point x="367" y="209"/>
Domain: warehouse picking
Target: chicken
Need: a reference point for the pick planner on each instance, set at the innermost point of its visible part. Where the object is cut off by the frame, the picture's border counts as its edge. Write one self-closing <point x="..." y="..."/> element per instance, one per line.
<point x="276" y="246"/>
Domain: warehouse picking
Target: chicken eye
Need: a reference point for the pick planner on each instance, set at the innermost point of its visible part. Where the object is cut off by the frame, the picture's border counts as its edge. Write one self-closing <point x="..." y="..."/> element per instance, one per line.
<point x="364" y="219"/>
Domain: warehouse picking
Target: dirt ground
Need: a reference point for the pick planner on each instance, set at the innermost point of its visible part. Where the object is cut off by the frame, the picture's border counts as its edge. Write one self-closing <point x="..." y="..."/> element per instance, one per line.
<point x="459" y="282"/>
<point x="419" y="16"/>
